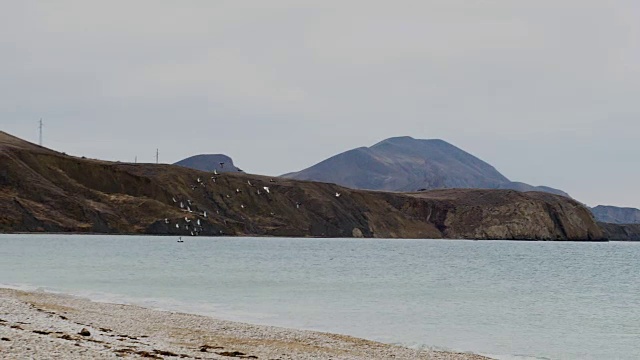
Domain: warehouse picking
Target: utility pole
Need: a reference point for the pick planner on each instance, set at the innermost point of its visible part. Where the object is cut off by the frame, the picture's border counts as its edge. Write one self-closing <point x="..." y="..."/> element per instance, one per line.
<point x="136" y="160"/>
<point x="40" y="126"/>
<point x="157" y="156"/>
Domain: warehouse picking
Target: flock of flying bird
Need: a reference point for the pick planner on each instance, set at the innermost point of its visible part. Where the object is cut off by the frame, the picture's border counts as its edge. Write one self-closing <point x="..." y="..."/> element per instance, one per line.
<point x="194" y="227"/>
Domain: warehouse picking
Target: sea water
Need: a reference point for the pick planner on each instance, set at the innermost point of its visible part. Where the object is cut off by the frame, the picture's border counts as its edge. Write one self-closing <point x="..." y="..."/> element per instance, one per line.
<point x="509" y="300"/>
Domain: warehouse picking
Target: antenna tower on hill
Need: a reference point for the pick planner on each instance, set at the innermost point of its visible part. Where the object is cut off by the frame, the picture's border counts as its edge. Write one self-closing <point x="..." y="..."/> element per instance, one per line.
<point x="40" y="127"/>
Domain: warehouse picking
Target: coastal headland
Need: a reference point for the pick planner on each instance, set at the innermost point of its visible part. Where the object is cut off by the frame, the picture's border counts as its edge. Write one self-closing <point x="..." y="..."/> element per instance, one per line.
<point x="47" y="191"/>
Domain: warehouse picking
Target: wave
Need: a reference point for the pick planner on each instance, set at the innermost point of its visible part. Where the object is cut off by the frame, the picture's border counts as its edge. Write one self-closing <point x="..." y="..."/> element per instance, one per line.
<point x="202" y="308"/>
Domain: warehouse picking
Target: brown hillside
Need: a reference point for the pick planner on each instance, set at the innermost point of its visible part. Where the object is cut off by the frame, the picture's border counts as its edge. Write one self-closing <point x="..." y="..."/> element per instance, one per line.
<point x="43" y="190"/>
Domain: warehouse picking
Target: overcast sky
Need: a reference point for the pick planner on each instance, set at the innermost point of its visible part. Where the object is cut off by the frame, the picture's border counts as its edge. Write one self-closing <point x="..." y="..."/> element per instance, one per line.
<point x="547" y="91"/>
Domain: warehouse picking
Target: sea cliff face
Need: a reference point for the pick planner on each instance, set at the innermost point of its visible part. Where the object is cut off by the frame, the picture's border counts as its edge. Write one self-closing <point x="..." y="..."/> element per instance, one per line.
<point x="621" y="232"/>
<point x="42" y="190"/>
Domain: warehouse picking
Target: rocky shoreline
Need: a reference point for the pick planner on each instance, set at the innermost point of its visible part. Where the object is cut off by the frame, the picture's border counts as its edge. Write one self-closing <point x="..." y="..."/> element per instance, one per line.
<point x="41" y="325"/>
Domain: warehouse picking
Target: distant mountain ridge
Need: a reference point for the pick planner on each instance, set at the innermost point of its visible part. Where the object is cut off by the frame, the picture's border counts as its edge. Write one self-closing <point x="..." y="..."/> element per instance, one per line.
<point x="616" y="215"/>
<point x="209" y="162"/>
<point x="407" y="164"/>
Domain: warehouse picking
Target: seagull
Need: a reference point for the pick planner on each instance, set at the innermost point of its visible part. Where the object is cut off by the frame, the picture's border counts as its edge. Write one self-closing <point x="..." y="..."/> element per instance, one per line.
<point x="177" y="226"/>
<point x="204" y="214"/>
<point x="181" y="205"/>
<point x="273" y="214"/>
<point x="174" y="199"/>
<point x="228" y="197"/>
<point x="166" y="221"/>
<point x="213" y="179"/>
<point x="249" y="182"/>
<point x="192" y="233"/>
<point x="189" y="209"/>
<point x="266" y="188"/>
<point x="271" y="180"/>
<point x="187" y="219"/>
<point x="218" y="212"/>
<point x="215" y="172"/>
<point x="338" y="194"/>
<point x="199" y="180"/>
<point x="258" y="192"/>
<point x="193" y="187"/>
<point x="221" y="165"/>
<point x="198" y="222"/>
<point x="189" y="202"/>
<point x="298" y="205"/>
<point x="242" y="206"/>
<point x="238" y="191"/>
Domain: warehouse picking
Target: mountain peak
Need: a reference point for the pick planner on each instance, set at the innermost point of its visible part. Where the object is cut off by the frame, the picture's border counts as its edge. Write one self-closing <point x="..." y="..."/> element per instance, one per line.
<point x="209" y="162"/>
<point x="404" y="163"/>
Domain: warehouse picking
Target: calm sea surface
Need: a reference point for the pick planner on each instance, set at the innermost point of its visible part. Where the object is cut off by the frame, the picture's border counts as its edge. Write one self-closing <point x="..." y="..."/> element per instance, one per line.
<point x="511" y="300"/>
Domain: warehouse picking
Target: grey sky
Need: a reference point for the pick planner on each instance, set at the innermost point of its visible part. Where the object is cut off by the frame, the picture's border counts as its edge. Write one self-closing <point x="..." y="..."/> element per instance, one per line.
<point x="546" y="91"/>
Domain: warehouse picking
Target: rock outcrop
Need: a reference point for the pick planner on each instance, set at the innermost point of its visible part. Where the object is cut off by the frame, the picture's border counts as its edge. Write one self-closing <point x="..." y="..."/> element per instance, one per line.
<point x="43" y="190"/>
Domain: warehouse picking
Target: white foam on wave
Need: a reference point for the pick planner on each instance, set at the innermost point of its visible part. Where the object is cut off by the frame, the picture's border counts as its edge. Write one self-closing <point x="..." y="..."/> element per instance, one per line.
<point x="419" y="346"/>
<point x="162" y="304"/>
<point x="514" y="357"/>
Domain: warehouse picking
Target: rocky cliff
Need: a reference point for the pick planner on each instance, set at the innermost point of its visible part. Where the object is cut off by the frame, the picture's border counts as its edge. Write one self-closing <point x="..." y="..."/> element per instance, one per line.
<point x="621" y="232"/>
<point x="43" y="190"/>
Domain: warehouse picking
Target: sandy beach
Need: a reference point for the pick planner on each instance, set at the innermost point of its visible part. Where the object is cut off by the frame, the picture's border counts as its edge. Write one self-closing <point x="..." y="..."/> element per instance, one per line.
<point x="38" y="325"/>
